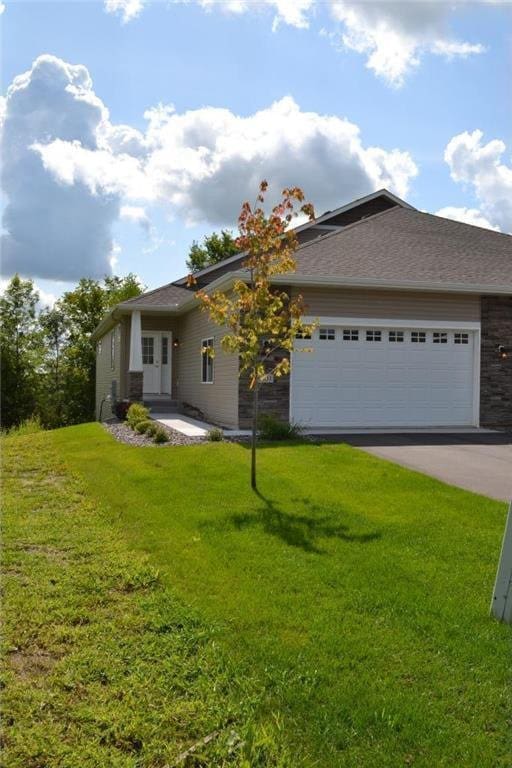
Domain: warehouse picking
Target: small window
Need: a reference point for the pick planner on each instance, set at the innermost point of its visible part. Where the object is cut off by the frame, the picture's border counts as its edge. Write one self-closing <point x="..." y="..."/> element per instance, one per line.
<point x="113" y="350"/>
<point x="303" y="335"/>
<point x="373" y="335"/>
<point x="440" y="338"/>
<point x="461" y="338"/>
<point x="418" y="337"/>
<point x="148" y="350"/>
<point x="350" y="334"/>
<point x="327" y="334"/>
<point x="206" y="361"/>
<point x="396" y="336"/>
<point x="99" y="347"/>
<point x="165" y="350"/>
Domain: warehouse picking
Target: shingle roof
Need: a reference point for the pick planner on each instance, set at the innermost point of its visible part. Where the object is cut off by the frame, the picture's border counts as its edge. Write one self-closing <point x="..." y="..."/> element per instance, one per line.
<point x="167" y="295"/>
<point x="406" y="245"/>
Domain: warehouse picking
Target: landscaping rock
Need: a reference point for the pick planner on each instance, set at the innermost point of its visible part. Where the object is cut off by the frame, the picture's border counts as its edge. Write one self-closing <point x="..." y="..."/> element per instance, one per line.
<point x="124" y="434"/>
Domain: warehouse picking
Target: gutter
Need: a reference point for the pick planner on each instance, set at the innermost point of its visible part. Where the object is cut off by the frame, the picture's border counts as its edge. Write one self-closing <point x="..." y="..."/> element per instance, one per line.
<point x="226" y="281"/>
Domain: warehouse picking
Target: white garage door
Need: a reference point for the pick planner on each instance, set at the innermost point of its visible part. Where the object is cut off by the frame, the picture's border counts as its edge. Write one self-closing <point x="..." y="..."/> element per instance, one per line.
<point x="383" y="377"/>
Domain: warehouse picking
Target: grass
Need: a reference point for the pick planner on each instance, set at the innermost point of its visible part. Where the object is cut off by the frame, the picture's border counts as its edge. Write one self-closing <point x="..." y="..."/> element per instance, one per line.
<point x="337" y="618"/>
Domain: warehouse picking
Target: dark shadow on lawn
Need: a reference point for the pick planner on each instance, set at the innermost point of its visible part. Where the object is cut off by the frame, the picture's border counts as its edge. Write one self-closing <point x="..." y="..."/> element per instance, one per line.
<point x="302" y="531"/>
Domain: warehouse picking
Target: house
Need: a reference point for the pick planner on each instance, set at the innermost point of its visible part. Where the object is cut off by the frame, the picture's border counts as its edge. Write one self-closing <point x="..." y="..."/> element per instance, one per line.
<point x="415" y="329"/>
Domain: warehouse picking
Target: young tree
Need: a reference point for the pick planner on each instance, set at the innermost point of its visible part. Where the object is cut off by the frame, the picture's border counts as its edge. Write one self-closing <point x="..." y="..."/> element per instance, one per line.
<point x="20" y="351"/>
<point x="215" y="248"/>
<point x="263" y="321"/>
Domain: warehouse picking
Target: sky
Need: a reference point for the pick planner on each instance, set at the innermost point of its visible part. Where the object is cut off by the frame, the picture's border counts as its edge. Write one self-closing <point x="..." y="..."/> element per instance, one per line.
<point x="130" y="129"/>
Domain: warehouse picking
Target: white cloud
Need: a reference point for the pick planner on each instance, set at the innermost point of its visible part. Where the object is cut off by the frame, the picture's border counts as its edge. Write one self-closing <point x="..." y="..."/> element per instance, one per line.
<point x="54" y="230"/>
<point x="2" y="8"/>
<point x="137" y="215"/>
<point x="85" y="173"/>
<point x="395" y="35"/>
<point x="467" y="216"/>
<point x="126" y="9"/>
<point x="480" y="166"/>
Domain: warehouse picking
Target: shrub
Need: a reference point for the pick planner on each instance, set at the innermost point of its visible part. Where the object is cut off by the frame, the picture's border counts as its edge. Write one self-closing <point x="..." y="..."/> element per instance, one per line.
<point x="27" y="427"/>
<point x="215" y="435"/>
<point x="121" y="409"/>
<point x="270" y="428"/>
<point x="144" y="427"/>
<point x="160" y="435"/>
<point x="136" y="413"/>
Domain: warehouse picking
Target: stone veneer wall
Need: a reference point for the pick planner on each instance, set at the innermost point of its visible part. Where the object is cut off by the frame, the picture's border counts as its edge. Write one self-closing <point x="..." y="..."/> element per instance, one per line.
<point x="496" y="373"/>
<point x="274" y="399"/>
<point x="135" y="385"/>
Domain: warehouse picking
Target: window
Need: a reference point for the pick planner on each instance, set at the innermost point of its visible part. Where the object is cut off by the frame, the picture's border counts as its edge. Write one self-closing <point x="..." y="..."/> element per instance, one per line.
<point x="396" y="336"/>
<point x="418" y="337"/>
<point x="206" y="361"/>
<point x="461" y="338"/>
<point x="165" y="350"/>
<point x="302" y="335"/>
<point x="440" y="338"/>
<point x="373" y="335"/>
<point x="350" y="334"/>
<point x="148" y="350"/>
<point x="99" y="347"/>
<point x="327" y="334"/>
<point x="113" y="350"/>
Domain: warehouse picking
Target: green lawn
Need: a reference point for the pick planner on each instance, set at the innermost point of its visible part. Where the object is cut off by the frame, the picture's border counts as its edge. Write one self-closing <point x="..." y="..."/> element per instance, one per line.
<point x="338" y="618"/>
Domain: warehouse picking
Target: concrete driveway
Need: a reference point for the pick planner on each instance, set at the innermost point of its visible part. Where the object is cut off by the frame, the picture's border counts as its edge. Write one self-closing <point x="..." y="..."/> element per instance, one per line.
<point x="479" y="462"/>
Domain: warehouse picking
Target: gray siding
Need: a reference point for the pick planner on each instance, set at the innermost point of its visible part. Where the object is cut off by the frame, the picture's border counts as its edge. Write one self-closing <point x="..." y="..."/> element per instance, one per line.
<point x="105" y="372"/>
<point x="400" y="305"/>
<point x="219" y="400"/>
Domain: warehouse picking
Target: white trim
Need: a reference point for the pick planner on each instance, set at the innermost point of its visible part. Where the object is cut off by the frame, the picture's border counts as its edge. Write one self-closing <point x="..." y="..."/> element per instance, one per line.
<point x="381" y="322"/>
<point x="135" y="365"/>
<point x="330" y="281"/>
<point x="476" y="376"/>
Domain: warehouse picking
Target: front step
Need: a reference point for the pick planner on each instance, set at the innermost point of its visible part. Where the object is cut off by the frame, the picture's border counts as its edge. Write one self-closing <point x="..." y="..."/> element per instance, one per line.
<point x="161" y="404"/>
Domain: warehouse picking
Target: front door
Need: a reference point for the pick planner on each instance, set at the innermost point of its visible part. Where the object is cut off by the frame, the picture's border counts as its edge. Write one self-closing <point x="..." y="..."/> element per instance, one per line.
<point x="150" y="364"/>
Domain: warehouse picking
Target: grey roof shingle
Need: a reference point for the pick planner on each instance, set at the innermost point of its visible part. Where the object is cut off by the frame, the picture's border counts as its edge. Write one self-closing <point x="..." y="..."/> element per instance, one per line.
<point x="168" y="295"/>
<point x="406" y="245"/>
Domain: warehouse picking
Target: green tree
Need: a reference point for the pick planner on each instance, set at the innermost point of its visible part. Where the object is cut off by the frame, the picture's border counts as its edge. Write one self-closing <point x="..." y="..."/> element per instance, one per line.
<point x="263" y="321"/>
<point x="20" y="351"/>
<point x="82" y="309"/>
<point x="52" y="401"/>
<point x="215" y="248"/>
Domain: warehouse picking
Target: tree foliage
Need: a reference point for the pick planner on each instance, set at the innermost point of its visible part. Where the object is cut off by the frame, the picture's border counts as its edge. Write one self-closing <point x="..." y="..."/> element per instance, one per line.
<point x="262" y="320"/>
<point x="48" y="360"/>
<point x="20" y="351"/>
<point x="215" y="248"/>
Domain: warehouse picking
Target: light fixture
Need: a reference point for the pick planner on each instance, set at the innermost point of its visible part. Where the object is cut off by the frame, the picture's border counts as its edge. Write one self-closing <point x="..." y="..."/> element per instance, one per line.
<point x="502" y="352"/>
<point x="175" y="343"/>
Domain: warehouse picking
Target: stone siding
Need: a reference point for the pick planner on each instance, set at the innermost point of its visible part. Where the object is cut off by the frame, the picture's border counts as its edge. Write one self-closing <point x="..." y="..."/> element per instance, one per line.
<point x="274" y="399"/>
<point x="135" y="386"/>
<point x="495" y="372"/>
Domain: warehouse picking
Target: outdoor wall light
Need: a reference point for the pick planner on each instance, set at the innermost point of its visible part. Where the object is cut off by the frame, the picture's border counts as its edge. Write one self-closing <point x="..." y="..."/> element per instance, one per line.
<point x="175" y="343"/>
<point x="502" y="352"/>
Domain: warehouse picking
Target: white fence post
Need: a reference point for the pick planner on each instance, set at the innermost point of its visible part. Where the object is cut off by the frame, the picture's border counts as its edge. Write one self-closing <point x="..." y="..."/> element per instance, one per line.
<point x="501" y="603"/>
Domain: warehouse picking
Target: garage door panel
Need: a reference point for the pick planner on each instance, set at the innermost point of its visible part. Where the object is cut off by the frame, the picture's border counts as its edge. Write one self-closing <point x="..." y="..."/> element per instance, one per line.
<point x="366" y="383"/>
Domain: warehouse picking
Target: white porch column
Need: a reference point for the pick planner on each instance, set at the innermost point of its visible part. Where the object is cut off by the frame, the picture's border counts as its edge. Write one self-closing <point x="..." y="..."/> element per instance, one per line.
<point x="135" y="343"/>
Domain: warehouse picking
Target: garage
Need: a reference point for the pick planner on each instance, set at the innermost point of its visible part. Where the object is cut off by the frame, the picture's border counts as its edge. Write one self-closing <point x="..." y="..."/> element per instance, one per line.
<point x="383" y="375"/>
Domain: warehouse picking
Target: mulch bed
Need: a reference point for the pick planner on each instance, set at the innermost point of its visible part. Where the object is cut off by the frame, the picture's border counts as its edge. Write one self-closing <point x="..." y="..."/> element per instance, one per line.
<point x="124" y="434"/>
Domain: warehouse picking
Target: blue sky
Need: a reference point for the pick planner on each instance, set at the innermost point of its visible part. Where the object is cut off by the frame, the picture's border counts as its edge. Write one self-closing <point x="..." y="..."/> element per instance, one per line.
<point x="193" y="58"/>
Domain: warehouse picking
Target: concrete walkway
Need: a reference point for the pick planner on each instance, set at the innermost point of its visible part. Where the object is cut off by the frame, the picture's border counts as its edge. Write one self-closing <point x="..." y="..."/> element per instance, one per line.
<point x="477" y="462"/>
<point x="184" y="424"/>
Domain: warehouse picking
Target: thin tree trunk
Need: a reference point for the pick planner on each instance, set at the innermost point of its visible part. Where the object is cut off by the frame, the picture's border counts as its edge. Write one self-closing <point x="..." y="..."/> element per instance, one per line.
<point x="254" y="434"/>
